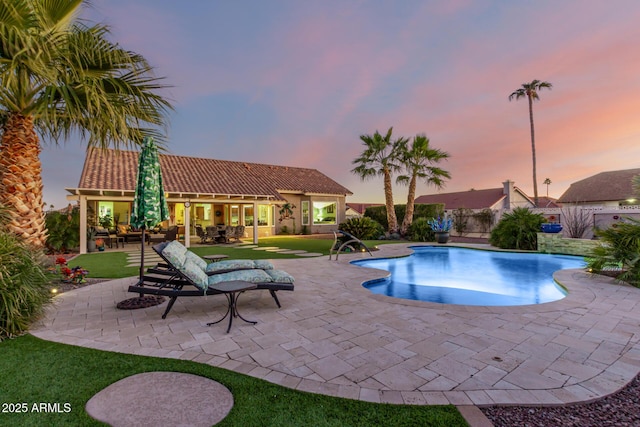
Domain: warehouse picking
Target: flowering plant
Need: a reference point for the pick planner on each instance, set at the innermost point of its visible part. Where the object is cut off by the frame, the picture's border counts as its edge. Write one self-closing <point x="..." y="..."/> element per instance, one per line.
<point x="71" y="275"/>
<point x="440" y="224"/>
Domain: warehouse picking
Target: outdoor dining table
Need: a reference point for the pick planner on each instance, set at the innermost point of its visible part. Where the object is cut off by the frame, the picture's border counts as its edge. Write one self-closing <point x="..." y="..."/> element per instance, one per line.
<point x="215" y="258"/>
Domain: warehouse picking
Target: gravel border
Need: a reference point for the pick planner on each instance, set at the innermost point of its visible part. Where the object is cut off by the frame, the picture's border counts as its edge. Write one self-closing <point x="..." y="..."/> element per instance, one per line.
<point x="619" y="409"/>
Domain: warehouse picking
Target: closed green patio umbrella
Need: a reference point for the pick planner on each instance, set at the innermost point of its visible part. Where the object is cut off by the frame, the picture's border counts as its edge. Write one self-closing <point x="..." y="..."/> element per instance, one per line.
<point x="149" y="203"/>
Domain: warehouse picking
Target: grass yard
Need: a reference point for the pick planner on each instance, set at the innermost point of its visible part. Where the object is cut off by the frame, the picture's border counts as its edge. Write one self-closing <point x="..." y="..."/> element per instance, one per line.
<point x="112" y="265"/>
<point x="36" y="371"/>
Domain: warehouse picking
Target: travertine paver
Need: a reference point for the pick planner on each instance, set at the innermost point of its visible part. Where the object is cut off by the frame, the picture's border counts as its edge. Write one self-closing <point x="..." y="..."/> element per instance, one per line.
<point x="333" y="336"/>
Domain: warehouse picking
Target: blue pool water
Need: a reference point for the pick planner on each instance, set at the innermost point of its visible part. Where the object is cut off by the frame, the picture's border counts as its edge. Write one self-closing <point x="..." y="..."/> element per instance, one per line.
<point x="451" y="275"/>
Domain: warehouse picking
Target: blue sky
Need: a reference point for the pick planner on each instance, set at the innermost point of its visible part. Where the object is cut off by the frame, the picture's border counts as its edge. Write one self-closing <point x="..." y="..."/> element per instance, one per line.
<point x="297" y="82"/>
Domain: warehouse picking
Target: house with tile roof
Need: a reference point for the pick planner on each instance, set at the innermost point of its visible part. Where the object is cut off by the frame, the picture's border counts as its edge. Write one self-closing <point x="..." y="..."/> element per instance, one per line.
<point x="607" y="189"/>
<point x="506" y="197"/>
<point x="213" y="192"/>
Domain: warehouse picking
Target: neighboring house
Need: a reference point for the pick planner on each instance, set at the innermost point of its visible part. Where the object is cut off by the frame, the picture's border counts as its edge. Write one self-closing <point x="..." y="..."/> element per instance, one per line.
<point x="356" y="210"/>
<point x="212" y="192"/>
<point x="607" y="189"/>
<point x="507" y="197"/>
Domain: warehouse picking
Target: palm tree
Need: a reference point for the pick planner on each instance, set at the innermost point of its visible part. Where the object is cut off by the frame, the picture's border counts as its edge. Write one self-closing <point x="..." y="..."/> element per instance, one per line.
<point x="418" y="161"/>
<point x="530" y="90"/>
<point x="60" y="76"/>
<point x="547" y="182"/>
<point x="380" y="157"/>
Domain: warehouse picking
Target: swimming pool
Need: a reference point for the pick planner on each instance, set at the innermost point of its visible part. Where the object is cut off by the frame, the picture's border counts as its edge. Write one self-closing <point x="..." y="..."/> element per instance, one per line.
<point x="451" y="275"/>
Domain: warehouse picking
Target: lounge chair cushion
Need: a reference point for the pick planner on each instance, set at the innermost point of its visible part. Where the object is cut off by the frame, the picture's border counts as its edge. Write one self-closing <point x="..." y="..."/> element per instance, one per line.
<point x="280" y="276"/>
<point x="263" y="264"/>
<point x="253" y="276"/>
<point x="230" y="264"/>
<point x="175" y="254"/>
<point x="195" y="258"/>
<point x="195" y="273"/>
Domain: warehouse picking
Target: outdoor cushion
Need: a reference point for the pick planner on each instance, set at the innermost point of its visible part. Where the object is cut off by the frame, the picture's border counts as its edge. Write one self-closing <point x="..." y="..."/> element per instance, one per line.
<point x="230" y="264"/>
<point x="253" y="276"/>
<point x="195" y="273"/>
<point x="175" y="253"/>
<point x="263" y="264"/>
<point x="195" y="258"/>
<point x="280" y="276"/>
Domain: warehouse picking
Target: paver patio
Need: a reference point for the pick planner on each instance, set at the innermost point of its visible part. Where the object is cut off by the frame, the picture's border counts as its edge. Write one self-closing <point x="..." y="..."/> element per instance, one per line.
<point x="334" y="337"/>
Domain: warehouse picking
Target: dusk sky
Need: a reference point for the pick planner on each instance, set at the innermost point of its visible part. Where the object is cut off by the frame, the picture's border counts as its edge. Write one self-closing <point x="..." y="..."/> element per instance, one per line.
<point x="297" y="82"/>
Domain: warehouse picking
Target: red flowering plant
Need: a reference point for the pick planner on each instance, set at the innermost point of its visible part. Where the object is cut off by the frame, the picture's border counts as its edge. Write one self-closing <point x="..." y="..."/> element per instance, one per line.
<point x="71" y="275"/>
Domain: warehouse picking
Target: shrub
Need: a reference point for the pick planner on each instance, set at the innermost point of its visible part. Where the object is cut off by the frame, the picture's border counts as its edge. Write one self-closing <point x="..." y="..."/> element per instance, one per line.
<point x="619" y="251"/>
<point x="379" y="213"/>
<point x="485" y="219"/>
<point x="63" y="229"/>
<point x="24" y="286"/>
<point x="363" y="228"/>
<point x="517" y="230"/>
<point x="461" y="220"/>
<point x="421" y="231"/>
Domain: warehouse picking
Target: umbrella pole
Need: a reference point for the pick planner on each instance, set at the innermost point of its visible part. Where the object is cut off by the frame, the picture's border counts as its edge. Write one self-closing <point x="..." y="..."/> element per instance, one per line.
<point x="142" y="255"/>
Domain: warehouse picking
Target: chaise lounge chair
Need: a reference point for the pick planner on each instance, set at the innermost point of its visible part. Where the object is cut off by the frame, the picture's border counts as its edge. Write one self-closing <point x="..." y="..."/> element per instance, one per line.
<point x="184" y="273"/>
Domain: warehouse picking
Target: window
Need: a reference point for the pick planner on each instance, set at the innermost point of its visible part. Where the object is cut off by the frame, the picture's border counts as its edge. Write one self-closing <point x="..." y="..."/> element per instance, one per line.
<point x="248" y="215"/>
<point x="305" y="212"/>
<point x="235" y="215"/>
<point x="263" y="215"/>
<point x="324" y="213"/>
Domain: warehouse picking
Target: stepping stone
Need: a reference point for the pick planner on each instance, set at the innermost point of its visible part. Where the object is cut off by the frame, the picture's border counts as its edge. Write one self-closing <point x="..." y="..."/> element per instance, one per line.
<point x="245" y="247"/>
<point x="293" y="251"/>
<point x="265" y="248"/>
<point x="277" y="250"/>
<point x="161" y="398"/>
<point x="310" y="254"/>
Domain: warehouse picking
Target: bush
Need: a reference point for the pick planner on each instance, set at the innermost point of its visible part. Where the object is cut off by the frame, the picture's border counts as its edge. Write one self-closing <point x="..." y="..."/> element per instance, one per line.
<point x="24" y="286"/>
<point x="461" y="220"/>
<point x="421" y="231"/>
<point x="362" y="228"/>
<point x="517" y="230"/>
<point x="619" y="251"/>
<point x="63" y="230"/>
<point x="379" y="213"/>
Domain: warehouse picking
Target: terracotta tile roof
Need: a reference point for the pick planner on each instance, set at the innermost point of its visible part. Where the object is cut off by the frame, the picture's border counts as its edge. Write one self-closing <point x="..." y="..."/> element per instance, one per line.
<point x="602" y="187"/>
<point x="116" y="170"/>
<point x="361" y="207"/>
<point x="472" y="199"/>
<point x="547" y="202"/>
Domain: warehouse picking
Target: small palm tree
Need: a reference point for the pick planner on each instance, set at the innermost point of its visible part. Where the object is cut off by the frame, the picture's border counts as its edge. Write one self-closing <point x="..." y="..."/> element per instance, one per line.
<point x="418" y="161"/>
<point x="380" y="157"/>
<point x="530" y="90"/>
<point x="547" y="182"/>
<point x="59" y="76"/>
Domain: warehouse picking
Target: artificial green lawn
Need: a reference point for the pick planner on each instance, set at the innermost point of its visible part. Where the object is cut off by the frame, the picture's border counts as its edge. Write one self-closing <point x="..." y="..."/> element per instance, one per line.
<point x="112" y="265"/>
<point x="36" y="371"/>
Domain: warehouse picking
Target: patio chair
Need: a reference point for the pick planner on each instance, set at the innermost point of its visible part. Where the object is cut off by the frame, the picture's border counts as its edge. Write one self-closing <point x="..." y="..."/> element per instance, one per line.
<point x="213" y="236"/>
<point x="183" y="274"/>
<point x="201" y="234"/>
<point x="238" y="233"/>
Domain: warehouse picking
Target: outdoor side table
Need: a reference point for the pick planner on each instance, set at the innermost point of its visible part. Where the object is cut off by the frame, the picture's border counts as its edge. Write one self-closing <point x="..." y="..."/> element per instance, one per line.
<point x="231" y="290"/>
<point x="215" y="258"/>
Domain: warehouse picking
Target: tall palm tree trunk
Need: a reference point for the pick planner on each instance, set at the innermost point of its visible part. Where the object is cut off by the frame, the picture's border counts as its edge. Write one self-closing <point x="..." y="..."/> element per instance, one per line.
<point x="411" y="197"/>
<point x="388" y="198"/>
<point x="21" y="179"/>
<point x="533" y="153"/>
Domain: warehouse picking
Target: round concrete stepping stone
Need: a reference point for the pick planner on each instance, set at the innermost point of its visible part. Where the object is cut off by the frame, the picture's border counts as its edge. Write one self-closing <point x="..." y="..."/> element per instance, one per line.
<point x="245" y="247"/>
<point x="277" y="250"/>
<point x="310" y="254"/>
<point x="161" y="399"/>
<point x="293" y="251"/>
<point x="265" y="248"/>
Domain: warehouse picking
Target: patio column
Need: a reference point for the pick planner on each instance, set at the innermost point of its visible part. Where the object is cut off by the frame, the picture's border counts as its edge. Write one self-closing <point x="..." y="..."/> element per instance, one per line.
<point x="255" y="223"/>
<point x="83" y="224"/>
<point x="187" y="224"/>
